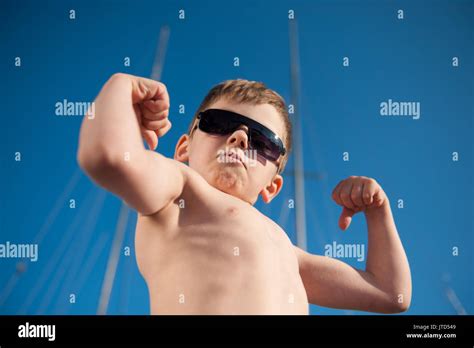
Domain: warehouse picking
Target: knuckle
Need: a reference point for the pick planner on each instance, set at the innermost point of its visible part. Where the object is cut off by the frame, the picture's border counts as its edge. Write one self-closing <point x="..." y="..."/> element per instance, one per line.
<point x="161" y="115"/>
<point x="163" y="86"/>
<point x="143" y="88"/>
<point x="150" y="105"/>
<point x="147" y="117"/>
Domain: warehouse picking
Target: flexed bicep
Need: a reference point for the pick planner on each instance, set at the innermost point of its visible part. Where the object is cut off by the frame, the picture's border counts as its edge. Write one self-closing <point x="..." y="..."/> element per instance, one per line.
<point x="332" y="283"/>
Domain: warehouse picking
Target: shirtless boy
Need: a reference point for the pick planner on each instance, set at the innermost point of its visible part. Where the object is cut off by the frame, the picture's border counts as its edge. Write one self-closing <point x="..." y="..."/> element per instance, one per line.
<point x="201" y="246"/>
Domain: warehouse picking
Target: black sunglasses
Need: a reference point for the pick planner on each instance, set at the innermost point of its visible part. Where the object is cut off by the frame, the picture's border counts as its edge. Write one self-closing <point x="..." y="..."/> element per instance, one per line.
<point x="261" y="139"/>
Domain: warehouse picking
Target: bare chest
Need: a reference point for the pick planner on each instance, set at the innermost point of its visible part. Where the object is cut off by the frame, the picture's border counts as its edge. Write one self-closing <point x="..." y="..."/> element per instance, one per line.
<point x="227" y="246"/>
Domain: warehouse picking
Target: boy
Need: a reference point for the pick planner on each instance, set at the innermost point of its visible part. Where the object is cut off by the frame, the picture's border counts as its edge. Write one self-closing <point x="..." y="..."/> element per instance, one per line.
<point x="201" y="246"/>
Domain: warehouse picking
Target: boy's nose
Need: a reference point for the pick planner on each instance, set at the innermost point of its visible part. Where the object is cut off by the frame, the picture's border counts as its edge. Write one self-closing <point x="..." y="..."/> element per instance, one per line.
<point x="239" y="138"/>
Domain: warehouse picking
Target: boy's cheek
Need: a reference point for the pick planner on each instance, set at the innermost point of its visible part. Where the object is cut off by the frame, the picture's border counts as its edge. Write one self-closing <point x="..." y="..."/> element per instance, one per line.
<point x="201" y="158"/>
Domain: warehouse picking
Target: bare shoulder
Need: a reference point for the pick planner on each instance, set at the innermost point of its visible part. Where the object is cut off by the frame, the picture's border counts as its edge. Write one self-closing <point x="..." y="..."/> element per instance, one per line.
<point x="301" y="256"/>
<point x="195" y="191"/>
<point x="304" y="256"/>
<point x="277" y="228"/>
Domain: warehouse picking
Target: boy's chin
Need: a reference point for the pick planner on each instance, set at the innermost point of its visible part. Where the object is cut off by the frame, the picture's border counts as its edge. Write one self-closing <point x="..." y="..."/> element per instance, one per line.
<point x="233" y="191"/>
<point x="229" y="182"/>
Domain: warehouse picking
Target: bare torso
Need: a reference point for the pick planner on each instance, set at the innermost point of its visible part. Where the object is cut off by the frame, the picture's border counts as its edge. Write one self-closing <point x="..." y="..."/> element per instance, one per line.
<point x="211" y="253"/>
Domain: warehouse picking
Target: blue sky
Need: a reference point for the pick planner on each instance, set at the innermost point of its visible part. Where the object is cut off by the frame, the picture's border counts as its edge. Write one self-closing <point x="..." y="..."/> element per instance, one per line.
<point x="406" y="60"/>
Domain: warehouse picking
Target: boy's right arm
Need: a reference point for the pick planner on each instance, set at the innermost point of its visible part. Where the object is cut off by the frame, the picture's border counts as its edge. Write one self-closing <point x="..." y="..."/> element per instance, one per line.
<point x="111" y="149"/>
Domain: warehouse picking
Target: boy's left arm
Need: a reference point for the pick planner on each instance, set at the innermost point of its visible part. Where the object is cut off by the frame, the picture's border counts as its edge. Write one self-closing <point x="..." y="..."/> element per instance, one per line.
<point x="385" y="285"/>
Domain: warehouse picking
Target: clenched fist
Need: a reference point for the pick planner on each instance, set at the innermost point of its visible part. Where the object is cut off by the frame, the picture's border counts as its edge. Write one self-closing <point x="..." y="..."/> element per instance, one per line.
<point x="151" y="103"/>
<point x="356" y="194"/>
<point x="125" y="96"/>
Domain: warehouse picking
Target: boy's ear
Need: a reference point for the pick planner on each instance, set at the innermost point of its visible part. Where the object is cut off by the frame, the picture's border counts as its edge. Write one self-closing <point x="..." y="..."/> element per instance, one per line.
<point x="272" y="189"/>
<point x="181" y="152"/>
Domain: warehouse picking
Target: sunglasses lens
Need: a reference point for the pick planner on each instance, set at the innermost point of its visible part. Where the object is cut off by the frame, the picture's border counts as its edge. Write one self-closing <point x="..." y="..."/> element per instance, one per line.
<point x="265" y="146"/>
<point x="216" y="124"/>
